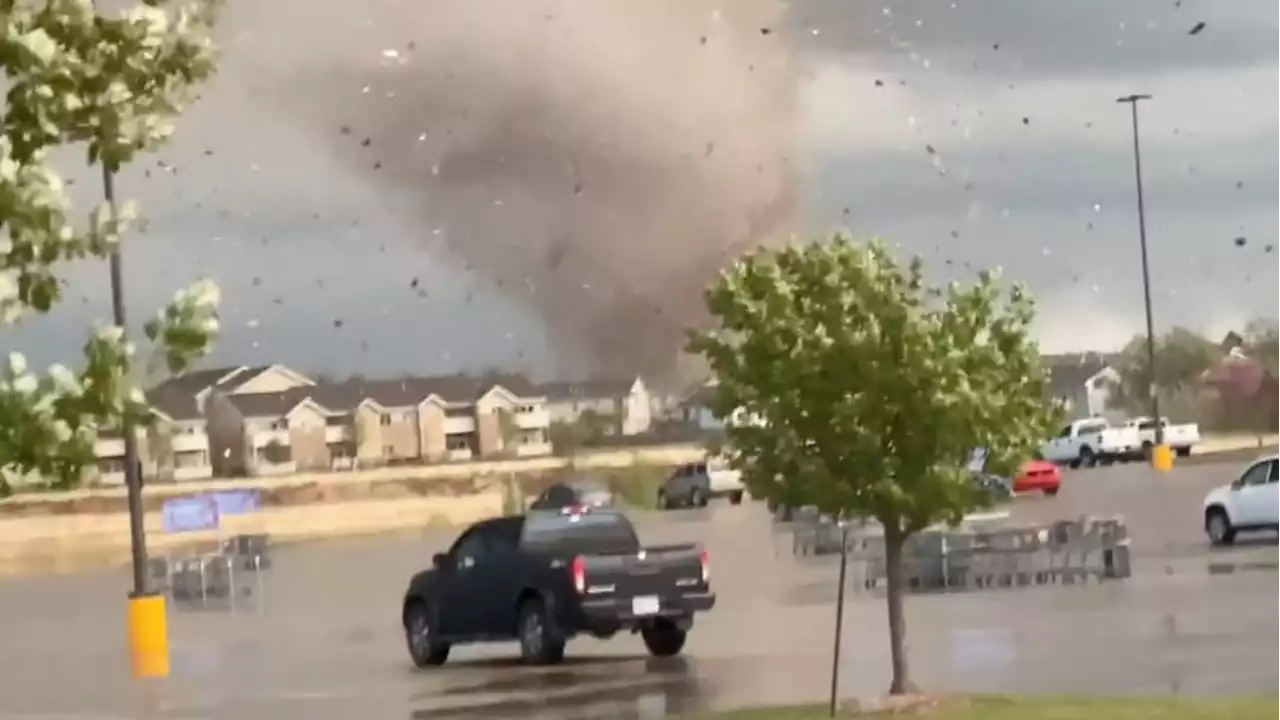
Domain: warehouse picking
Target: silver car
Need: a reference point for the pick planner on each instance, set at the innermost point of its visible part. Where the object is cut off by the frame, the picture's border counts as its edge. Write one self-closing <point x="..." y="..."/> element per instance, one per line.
<point x="584" y="492"/>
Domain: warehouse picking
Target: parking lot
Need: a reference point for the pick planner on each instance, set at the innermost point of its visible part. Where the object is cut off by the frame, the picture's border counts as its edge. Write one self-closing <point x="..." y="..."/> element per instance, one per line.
<point x="326" y="642"/>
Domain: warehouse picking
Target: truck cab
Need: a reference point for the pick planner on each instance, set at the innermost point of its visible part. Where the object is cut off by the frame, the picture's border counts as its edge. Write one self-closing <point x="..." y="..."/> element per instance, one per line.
<point x="1181" y="438"/>
<point x="1090" y="441"/>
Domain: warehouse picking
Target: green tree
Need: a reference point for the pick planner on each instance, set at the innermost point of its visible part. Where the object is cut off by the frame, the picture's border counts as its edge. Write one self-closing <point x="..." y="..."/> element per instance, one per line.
<point x="1182" y="355"/>
<point x="868" y="389"/>
<point x="112" y="84"/>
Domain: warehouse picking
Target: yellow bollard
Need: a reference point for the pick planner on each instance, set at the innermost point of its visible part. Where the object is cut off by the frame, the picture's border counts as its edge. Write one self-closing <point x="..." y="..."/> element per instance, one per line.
<point x="148" y="636"/>
<point x="1162" y="458"/>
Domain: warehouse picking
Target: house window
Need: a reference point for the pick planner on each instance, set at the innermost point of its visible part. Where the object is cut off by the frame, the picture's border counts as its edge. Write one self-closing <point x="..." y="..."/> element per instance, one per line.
<point x="389" y="451"/>
<point x="281" y="424"/>
<point x="384" y="419"/>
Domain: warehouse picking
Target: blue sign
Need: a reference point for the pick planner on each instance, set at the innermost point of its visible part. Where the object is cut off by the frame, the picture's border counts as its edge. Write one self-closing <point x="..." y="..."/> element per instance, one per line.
<point x="237" y="502"/>
<point x="190" y="514"/>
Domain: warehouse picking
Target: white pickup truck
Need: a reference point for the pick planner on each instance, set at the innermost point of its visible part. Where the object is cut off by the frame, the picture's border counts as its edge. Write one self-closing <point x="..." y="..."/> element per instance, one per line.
<point x="1091" y="441"/>
<point x="1179" y="437"/>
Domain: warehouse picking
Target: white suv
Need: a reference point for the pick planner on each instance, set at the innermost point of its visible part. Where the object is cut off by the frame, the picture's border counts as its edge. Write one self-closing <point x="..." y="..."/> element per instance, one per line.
<point x="1249" y="503"/>
<point x="692" y="485"/>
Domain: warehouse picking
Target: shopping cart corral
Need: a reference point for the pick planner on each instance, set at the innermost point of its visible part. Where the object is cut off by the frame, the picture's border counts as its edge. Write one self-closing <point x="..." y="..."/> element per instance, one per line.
<point x="980" y="554"/>
<point x="231" y="577"/>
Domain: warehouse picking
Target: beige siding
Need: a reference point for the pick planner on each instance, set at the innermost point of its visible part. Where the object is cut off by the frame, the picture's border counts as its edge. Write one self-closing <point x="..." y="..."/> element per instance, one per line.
<point x="489" y="422"/>
<point x="307" y="438"/>
<point x="400" y="437"/>
<point x="431" y="432"/>
<point x="368" y="434"/>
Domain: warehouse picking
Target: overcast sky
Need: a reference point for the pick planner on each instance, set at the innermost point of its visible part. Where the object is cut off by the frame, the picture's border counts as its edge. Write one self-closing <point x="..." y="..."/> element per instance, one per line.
<point x="980" y="132"/>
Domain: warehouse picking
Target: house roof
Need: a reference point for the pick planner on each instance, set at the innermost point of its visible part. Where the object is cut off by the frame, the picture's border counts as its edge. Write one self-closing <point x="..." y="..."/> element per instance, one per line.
<point x="193" y="382"/>
<point x="1069" y="372"/>
<point x="586" y="389"/>
<point x="272" y="404"/>
<point x="1236" y="374"/>
<point x="175" y="405"/>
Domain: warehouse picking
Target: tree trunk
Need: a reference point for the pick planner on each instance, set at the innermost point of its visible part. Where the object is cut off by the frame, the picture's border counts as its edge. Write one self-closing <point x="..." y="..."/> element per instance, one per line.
<point x="893" y="542"/>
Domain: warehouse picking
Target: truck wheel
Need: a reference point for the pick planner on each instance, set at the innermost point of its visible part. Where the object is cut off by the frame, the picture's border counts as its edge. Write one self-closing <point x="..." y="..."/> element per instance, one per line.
<point x="1218" y="527"/>
<point x="736" y="498"/>
<point x="663" y="502"/>
<point x="663" y="638"/>
<point x="698" y="498"/>
<point x="1087" y="457"/>
<point x="539" y="644"/>
<point x="1147" y="448"/>
<point x="419" y="633"/>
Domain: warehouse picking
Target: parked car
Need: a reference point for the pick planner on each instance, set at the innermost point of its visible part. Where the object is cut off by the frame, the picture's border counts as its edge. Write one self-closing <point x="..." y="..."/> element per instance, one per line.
<point x="1038" y="476"/>
<point x="997" y="487"/>
<point x="694" y="484"/>
<point x="1181" y="438"/>
<point x="1248" y="504"/>
<point x="543" y="578"/>
<point x="1091" y="441"/>
<point x="579" y="491"/>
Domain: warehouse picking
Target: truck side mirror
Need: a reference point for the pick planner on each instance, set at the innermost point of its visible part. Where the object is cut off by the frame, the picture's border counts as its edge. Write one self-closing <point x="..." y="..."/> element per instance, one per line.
<point x="442" y="561"/>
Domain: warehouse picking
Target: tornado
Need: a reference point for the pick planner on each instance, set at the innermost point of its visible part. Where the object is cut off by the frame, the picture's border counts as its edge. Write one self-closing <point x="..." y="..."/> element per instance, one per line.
<point x="597" y="161"/>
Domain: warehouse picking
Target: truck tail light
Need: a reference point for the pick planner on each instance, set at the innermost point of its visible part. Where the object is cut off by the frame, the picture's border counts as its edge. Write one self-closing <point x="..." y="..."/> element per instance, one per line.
<point x="705" y="561"/>
<point x="578" y="569"/>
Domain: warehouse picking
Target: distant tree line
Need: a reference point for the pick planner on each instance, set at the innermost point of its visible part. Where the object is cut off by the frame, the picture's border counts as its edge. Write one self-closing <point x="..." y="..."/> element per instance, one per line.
<point x="1228" y="383"/>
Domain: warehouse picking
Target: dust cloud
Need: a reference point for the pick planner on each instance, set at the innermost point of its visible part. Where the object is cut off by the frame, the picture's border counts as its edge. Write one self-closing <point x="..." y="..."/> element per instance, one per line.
<point x="596" y="161"/>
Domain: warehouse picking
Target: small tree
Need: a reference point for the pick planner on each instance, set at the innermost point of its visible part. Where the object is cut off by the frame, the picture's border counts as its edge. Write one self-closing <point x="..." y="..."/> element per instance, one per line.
<point x="111" y="83"/>
<point x="868" y="389"/>
<point x="160" y="447"/>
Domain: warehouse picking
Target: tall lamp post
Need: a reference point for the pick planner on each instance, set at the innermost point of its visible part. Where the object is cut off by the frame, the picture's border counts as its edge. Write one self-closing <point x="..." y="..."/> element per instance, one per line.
<point x="147" y="626"/>
<point x="1161" y="456"/>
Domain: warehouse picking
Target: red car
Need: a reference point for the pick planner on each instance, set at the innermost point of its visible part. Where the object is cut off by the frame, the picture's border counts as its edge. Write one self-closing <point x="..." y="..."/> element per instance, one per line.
<point x="1038" y="476"/>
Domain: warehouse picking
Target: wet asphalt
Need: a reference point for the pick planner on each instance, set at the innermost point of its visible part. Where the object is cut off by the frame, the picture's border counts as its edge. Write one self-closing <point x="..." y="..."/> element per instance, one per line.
<point x="321" y="639"/>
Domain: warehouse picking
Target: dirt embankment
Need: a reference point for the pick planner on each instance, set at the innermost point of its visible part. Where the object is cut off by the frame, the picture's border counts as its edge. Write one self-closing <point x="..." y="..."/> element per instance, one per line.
<point x="66" y="531"/>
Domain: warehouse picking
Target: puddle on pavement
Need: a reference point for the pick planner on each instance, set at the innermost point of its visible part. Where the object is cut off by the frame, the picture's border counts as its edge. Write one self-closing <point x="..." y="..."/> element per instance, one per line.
<point x="1229" y="568"/>
<point x="597" y="687"/>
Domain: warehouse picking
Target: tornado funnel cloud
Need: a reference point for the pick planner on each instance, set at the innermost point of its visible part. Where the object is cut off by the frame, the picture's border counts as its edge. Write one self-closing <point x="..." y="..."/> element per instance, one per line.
<point x="597" y="162"/>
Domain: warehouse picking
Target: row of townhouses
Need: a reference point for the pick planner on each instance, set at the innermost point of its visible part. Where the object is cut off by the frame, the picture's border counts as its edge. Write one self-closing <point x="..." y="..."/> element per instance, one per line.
<point x="271" y="420"/>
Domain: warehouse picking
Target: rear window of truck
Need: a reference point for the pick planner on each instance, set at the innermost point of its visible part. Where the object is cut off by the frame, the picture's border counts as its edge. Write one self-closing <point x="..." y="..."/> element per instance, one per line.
<point x="579" y="532"/>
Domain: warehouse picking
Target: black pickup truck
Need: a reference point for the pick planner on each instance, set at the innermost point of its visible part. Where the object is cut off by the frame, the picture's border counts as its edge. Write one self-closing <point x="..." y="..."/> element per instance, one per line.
<point x="547" y="576"/>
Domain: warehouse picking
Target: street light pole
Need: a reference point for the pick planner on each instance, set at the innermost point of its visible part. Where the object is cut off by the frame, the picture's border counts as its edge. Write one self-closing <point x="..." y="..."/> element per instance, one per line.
<point x="147" y="631"/>
<point x="132" y="471"/>
<point x="1132" y="101"/>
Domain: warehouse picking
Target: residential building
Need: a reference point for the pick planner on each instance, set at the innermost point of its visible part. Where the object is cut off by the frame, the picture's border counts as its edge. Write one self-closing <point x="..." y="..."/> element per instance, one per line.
<point x="1083" y="382"/>
<point x="176" y="447"/>
<point x="1240" y="392"/>
<point x="364" y="423"/>
<point x="625" y="407"/>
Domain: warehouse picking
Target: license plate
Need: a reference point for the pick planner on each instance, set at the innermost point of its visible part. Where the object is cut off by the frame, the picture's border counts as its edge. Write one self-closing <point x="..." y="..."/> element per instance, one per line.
<point x="645" y="605"/>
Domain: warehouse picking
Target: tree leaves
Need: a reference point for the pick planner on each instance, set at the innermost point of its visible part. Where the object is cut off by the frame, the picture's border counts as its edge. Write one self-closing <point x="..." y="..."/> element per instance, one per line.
<point x="859" y="388"/>
<point x="114" y="83"/>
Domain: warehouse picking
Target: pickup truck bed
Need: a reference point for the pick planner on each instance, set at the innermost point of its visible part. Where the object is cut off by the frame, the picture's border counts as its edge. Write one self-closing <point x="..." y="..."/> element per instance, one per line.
<point x="550" y="576"/>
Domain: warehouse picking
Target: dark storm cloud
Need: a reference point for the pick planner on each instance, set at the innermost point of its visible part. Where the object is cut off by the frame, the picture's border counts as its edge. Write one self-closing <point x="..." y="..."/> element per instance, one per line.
<point x="597" y="166"/>
<point x="1220" y="180"/>
<point x="1044" y="38"/>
